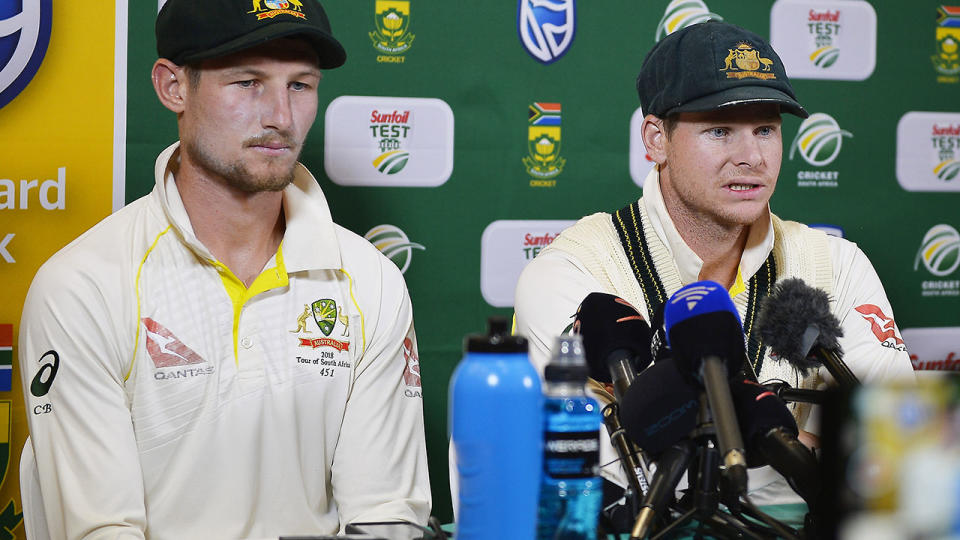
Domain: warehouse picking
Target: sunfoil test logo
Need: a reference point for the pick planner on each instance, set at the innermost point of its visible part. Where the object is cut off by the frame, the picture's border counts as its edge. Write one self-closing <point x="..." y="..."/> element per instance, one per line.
<point x="392" y="35"/>
<point x="543" y="161"/>
<point x="24" y="36"/>
<point x="681" y="14"/>
<point x="390" y="130"/>
<point x="825" y="39"/>
<point x="946" y="139"/>
<point x="394" y="244"/>
<point x="819" y="141"/>
<point x="546" y="27"/>
<point x="946" y="61"/>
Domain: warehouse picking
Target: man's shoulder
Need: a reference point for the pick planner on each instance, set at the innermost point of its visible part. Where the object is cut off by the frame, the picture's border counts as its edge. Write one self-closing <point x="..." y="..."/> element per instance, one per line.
<point x="364" y="261"/>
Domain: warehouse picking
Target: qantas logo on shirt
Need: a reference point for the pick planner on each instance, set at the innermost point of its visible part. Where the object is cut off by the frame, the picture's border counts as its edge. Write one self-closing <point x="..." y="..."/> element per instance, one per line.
<point x="165" y="349"/>
<point x="882" y="326"/>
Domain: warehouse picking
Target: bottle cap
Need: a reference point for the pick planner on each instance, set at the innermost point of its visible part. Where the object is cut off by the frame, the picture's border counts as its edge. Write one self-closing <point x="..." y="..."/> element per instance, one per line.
<point x="497" y="339"/>
<point x="568" y="363"/>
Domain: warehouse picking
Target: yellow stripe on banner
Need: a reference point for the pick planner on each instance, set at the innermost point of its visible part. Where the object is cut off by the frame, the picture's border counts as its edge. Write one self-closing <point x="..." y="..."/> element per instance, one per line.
<point x="941" y="165"/>
<point x="379" y="160"/>
<point x="817" y="52"/>
<point x="806" y="140"/>
<point x="5" y="422"/>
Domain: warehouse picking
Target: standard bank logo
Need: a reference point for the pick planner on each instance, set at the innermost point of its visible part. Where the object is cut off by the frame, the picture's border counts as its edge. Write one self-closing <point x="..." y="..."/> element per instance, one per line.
<point x="681" y="14"/>
<point x="940" y="250"/>
<point x="825" y="39"/>
<point x="388" y="141"/>
<point x="546" y="27"/>
<point x="24" y="36"/>
<point x="928" y="151"/>
<point x="394" y="244"/>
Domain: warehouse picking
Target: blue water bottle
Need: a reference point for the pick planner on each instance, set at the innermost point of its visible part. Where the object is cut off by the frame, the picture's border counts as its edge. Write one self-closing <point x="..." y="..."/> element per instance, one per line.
<point x="496" y="423"/>
<point x="571" y="492"/>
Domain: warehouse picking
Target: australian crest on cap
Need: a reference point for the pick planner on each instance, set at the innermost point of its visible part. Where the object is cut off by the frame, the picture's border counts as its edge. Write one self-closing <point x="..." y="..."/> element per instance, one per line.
<point x="268" y="9"/>
<point x="745" y="61"/>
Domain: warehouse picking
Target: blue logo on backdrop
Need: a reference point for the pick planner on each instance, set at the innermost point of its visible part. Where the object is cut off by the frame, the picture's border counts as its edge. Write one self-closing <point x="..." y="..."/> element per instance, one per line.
<point x="546" y="27"/>
<point x="24" y="36"/>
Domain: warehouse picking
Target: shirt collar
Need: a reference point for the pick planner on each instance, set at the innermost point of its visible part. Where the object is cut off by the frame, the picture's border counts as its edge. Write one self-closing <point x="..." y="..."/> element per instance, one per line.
<point x="310" y="239"/>
<point x="759" y="240"/>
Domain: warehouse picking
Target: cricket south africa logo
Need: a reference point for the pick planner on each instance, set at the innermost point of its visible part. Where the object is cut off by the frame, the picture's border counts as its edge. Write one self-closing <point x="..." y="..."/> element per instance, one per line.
<point x="394" y="244"/>
<point x="24" y="36"/>
<point x="681" y="14"/>
<point x="392" y="35"/>
<point x="824" y="27"/>
<point x="939" y="251"/>
<point x="390" y="131"/>
<point x="819" y="140"/>
<point x="543" y="161"/>
<point x="268" y="9"/>
<point x="546" y="27"/>
<point x="946" y="60"/>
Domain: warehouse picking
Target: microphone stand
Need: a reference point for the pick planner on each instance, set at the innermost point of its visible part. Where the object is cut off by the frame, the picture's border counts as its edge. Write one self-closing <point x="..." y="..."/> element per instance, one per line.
<point x="704" y="479"/>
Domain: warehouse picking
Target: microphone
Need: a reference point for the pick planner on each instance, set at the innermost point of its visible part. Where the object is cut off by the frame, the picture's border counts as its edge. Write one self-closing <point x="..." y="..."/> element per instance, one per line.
<point x="670" y="468"/>
<point x="706" y="337"/>
<point x="796" y="322"/>
<point x="616" y="340"/>
<point x="660" y="408"/>
<point x="771" y="435"/>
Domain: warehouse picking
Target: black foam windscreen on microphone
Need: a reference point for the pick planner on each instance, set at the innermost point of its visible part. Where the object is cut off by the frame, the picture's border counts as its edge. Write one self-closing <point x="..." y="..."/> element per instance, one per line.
<point x="659" y="408"/>
<point x="758" y="411"/>
<point x="611" y="326"/>
<point x="796" y="317"/>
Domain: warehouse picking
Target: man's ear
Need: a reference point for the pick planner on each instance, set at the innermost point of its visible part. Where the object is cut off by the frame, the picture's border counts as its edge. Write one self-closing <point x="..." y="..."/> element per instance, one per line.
<point x="654" y="138"/>
<point x="170" y="82"/>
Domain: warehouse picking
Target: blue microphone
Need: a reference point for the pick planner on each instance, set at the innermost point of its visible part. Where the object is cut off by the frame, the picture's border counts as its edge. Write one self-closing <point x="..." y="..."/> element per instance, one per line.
<point x="706" y="337"/>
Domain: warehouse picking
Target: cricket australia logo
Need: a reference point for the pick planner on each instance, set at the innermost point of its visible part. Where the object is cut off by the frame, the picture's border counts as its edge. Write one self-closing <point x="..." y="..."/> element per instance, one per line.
<point x="326" y="314"/>
<point x="543" y="161"/>
<point x="24" y="37"/>
<point x="745" y="61"/>
<point x="947" y="58"/>
<point x="268" y="9"/>
<point x="392" y="35"/>
<point x="390" y="131"/>
<point x="946" y="142"/>
<point x="681" y="14"/>
<point x="824" y="27"/>
<point x="546" y="27"/>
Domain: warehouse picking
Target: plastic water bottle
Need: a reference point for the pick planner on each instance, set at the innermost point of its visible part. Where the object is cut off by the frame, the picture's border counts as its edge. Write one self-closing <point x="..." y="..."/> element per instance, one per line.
<point x="571" y="492"/>
<point x="496" y="416"/>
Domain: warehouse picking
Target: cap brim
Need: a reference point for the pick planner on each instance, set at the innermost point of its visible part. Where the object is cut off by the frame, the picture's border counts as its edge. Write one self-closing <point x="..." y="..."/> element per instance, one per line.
<point x="740" y="96"/>
<point x="329" y="51"/>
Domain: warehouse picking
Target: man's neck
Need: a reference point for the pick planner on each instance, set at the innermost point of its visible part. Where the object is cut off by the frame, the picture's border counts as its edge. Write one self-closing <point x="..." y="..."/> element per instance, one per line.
<point x="242" y="230"/>
<point x="719" y="246"/>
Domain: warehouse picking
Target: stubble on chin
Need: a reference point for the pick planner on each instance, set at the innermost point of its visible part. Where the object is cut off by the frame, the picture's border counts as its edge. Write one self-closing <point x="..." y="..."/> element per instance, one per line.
<point x="236" y="174"/>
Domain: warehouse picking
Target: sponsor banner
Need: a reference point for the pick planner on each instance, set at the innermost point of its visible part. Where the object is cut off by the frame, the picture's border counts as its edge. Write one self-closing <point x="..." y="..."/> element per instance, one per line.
<point x="506" y="247"/>
<point x="928" y="151"/>
<point x="681" y="14"/>
<point x="938" y="258"/>
<point x="934" y="348"/>
<point x="818" y="142"/>
<point x="388" y="141"/>
<point x="546" y="27"/>
<point x="640" y="162"/>
<point x="825" y="39"/>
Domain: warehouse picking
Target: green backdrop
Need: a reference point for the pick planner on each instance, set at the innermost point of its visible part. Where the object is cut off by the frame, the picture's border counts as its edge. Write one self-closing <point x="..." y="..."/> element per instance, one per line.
<point x="469" y="54"/>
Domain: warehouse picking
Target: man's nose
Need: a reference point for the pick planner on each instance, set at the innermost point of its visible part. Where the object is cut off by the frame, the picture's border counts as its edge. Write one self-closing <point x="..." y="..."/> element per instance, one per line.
<point x="277" y="110"/>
